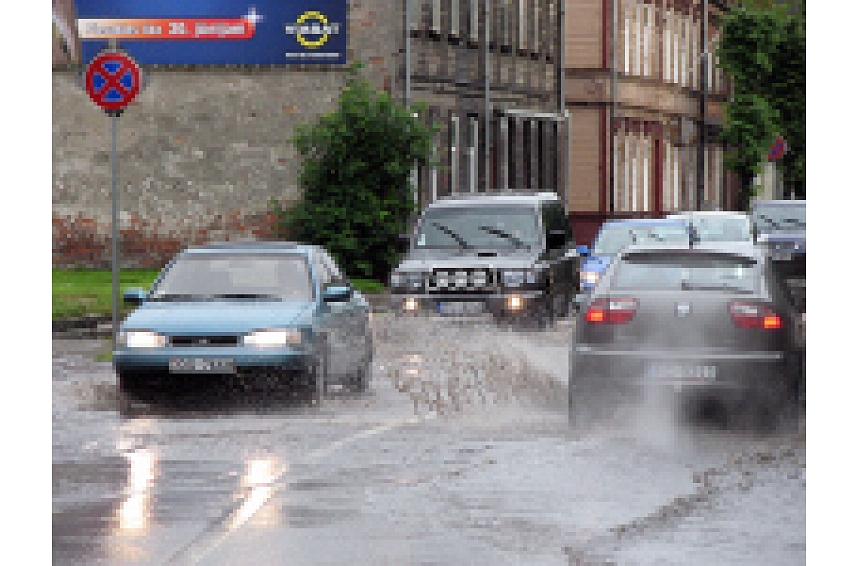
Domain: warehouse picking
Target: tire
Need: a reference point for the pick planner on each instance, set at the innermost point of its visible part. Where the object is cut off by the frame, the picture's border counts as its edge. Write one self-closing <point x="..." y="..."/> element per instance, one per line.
<point x="361" y="381"/>
<point x="133" y="384"/>
<point x="317" y="380"/>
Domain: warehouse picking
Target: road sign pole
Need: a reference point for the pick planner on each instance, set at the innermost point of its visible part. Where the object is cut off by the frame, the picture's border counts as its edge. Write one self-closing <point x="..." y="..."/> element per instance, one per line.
<point x="115" y="247"/>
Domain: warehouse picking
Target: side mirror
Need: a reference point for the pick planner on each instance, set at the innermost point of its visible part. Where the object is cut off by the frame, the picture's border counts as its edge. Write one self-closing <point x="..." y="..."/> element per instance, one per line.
<point x="582" y="250"/>
<point x="556" y="239"/>
<point x="135" y="296"/>
<point x="337" y="293"/>
<point x="404" y="241"/>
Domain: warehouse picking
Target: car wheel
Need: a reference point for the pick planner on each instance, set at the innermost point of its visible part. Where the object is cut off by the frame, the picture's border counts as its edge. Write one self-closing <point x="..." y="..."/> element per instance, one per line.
<point x="361" y="380"/>
<point x="318" y="379"/>
<point x="133" y="384"/>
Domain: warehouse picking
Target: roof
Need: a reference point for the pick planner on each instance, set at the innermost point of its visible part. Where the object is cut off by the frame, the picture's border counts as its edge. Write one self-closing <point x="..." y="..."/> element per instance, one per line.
<point x="747" y="249"/>
<point x="644" y="222"/>
<point x="250" y="245"/>
<point x="778" y="202"/>
<point x="494" y="198"/>
<point x="709" y="214"/>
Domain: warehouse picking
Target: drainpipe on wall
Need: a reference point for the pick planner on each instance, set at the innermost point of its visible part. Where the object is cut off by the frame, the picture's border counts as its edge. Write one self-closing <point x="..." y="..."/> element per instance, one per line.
<point x="407" y="91"/>
<point x="613" y="101"/>
<point x="562" y="106"/>
<point x="487" y="111"/>
<point x="703" y="106"/>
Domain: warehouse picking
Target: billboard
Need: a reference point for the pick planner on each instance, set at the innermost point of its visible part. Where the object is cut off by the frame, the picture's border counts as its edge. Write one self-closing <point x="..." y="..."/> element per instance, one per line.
<point x="216" y="32"/>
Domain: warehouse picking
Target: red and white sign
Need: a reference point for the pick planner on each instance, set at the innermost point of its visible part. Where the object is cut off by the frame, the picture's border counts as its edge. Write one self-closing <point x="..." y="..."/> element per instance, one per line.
<point x="777" y="149"/>
<point x="113" y="80"/>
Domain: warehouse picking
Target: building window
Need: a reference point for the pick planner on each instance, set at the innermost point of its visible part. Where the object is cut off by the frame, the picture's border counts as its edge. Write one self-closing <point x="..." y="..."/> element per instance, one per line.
<point x="646" y="41"/>
<point x="637" y="39"/>
<point x="522" y="18"/>
<point x="454" y="15"/>
<point x="646" y="176"/>
<point x="473" y="157"/>
<point x="627" y="43"/>
<point x="455" y="156"/>
<point x="682" y="79"/>
<point x="474" y="16"/>
<point x="436" y="16"/>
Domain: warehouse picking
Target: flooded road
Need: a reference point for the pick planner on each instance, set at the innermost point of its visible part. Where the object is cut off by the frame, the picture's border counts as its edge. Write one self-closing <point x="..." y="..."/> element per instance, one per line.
<point x="460" y="452"/>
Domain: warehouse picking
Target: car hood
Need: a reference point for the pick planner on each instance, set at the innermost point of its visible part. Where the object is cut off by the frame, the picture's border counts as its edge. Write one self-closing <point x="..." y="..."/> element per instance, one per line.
<point x="427" y="260"/>
<point x="782" y="240"/>
<point x="597" y="263"/>
<point x="221" y="317"/>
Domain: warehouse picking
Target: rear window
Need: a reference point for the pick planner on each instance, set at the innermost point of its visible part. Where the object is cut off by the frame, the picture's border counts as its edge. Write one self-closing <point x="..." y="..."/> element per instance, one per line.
<point x="685" y="272"/>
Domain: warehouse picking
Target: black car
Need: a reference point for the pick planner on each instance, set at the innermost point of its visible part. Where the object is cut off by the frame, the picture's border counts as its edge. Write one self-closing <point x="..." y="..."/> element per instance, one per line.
<point x="779" y="228"/>
<point x="705" y="320"/>
<point x="512" y="256"/>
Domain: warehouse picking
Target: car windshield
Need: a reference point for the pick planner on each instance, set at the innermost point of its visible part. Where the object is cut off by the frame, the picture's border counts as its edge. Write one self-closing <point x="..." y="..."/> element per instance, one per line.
<point x="479" y="227"/>
<point x="769" y="219"/>
<point x="613" y="239"/>
<point x="236" y="276"/>
<point x="685" y="272"/>
<point x="722" y="229"/>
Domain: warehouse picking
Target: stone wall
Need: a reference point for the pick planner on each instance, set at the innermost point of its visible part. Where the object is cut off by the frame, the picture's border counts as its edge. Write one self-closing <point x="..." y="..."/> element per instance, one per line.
<point x="201" y="153"/>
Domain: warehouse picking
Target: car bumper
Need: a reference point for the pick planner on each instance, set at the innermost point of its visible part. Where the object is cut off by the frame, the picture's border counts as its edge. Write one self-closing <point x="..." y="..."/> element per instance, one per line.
<point x="504" y="304"/>
<point x="724" y="374"/>
<point x="211" y="360"/>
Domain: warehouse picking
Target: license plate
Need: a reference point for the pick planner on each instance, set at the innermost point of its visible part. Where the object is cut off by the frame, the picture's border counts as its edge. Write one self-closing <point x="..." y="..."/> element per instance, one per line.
<point x="681" y="373"/>
<point x="781" y="256"/>
<point x="202" y="365"/>
<point x="461" y="307"/>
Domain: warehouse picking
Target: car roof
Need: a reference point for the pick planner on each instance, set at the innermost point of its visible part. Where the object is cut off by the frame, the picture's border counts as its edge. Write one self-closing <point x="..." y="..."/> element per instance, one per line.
<point x="778" y="202"/>
<point x="747" y="249"/>
<point x="494" y="198"/>
<point x="645" y="222"/>
<point x="709" y="213"/>
<point x="251" y="246"/>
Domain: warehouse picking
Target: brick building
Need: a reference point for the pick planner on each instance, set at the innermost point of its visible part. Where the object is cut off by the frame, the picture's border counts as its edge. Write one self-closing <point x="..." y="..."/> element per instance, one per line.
<point x="489" y="73"/>
<point x="202" y="151"/>
<point x="635" y="116"/>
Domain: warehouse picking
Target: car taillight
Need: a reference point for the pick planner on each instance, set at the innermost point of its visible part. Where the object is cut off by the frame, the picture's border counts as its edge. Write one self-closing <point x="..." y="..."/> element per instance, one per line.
<point x="611" y="311"/>
<point x="751" y="315"/>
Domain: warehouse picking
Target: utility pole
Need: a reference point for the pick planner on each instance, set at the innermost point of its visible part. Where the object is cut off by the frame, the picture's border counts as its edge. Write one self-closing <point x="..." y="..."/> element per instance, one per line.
<point x="703" y="106"/>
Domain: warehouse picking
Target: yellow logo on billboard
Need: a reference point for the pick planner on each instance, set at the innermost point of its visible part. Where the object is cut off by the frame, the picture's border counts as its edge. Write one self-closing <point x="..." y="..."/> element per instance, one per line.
<point x="312" y="23"/>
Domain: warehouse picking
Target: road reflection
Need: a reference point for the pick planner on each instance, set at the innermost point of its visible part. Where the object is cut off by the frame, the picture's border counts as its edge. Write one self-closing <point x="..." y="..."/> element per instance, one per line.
<point x="134" y="511"/>
<point x="257" y="486"/>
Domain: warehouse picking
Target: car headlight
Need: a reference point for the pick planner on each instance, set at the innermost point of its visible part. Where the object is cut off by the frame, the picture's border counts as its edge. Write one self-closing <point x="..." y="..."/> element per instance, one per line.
<point x="408" y="280"/>
<point x="273" y="338"/>
<point x="590" y="277"/>
<point x="141" y="339"/>
<point x="519" y="277"/>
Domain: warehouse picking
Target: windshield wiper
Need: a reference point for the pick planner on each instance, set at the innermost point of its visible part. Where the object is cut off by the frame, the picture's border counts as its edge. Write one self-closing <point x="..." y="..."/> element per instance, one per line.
<point x="687" y="286"/>
<point x="179" y="297"/>
<point x="245" y="296"/>
<point x="502" y="234"/>
<point x="793" y="222"/>
<point x="457" y="237"/>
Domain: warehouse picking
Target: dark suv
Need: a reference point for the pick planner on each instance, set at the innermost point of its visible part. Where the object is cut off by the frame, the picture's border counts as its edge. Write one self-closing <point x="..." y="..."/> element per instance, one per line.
<point x="512" y="256"/>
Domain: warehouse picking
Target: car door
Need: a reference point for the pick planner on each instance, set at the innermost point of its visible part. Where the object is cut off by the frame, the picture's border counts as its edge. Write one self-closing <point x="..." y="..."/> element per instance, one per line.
<point x="560" y="255"/>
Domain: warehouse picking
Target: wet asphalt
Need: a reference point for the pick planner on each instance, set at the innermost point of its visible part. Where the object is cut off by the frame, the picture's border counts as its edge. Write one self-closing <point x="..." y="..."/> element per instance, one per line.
<point x="460" y="453"/>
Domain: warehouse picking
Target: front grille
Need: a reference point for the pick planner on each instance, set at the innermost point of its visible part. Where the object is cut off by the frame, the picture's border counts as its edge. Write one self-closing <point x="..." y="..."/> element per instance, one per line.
<point x="468" y="280"/>
<point x="204" y="340"/>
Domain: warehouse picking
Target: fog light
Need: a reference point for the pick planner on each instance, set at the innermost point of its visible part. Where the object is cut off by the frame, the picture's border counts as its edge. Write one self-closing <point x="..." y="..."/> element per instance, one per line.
<point x="515" y="303"/>
<point x="410" y="304"/>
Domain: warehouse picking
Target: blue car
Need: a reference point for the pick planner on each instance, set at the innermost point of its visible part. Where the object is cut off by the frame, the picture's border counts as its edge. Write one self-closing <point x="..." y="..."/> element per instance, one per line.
<point x="275" y="313"/>
<point x="615" y="235"/>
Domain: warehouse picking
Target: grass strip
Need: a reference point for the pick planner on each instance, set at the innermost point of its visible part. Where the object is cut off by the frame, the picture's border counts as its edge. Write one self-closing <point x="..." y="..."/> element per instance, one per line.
<point x="79" y="292"/>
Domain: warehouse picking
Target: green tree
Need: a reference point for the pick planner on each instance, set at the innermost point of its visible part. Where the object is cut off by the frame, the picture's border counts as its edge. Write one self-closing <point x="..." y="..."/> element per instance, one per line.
<point x="355" y="178"/>
<point x="763" y="51"/>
